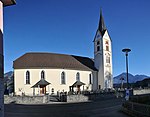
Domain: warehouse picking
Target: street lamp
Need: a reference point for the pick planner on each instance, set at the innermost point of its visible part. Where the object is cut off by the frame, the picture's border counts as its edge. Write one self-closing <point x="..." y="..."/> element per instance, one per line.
<point x="126" y="50"/>
<point x="3" y="3"/>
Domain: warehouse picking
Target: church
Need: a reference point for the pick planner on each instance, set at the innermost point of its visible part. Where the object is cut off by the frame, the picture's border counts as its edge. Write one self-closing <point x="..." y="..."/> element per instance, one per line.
<point x="39" y="73"/>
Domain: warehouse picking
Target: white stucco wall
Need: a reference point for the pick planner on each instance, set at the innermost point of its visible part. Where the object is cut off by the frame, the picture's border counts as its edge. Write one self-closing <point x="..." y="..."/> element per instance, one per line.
<point x="95" y="81"/>
<point x="107" y="66"/>
<point x="53" y="76"/>
<point x="1" y="63"/>
<point x="100" y="60"/>
<point x="1" y="16"/>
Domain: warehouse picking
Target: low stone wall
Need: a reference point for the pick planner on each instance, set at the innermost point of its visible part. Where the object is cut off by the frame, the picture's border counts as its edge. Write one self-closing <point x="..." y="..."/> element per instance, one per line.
<point x="77" y="98"/>
<point x="43" y="99"/>
<point x="53" y="98"/>
<point x="141" y="91"/>
<point x="25" y="99"/>
<point x="90" y="97"/>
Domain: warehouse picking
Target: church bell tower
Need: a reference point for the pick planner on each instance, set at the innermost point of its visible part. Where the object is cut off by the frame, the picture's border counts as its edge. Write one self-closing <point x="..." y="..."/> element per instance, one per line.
<point x="103" y="56"/>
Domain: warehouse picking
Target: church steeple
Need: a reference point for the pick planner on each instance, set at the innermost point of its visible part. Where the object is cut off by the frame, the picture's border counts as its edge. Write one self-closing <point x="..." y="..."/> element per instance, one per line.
<point x="103" y="55"/>
<point x="102" y="26"/>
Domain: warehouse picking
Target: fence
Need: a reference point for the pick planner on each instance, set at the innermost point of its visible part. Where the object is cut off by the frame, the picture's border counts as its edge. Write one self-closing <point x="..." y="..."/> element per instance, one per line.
<point x="136" y="109"/>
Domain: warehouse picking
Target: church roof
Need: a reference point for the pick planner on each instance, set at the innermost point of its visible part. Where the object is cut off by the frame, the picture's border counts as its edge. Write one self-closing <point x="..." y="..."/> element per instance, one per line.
<point x="8" y="2"/>
<point x="42" y="82"/>
<point x="78" y="83"/>
<point x="55" y="61"/>
<point x="102" y="26"/>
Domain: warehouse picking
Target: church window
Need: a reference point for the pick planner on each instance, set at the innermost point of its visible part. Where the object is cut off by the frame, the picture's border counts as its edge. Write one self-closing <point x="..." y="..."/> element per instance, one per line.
<point x="107" y="42"/>
<point x="107" y="48"/>
<point x="98" y="42"/>
<point x="42" y="75"/>
<point x="90" y="78"/>
<point x="63" y="81"/>
<point x="27" y="77"/>
<point x="98" y="48"/>
<point x="78" y="76"/>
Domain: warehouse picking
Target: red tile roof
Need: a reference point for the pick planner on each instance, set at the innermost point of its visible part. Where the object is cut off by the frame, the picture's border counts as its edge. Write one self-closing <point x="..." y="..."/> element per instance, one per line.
<point x="55" y="61"/>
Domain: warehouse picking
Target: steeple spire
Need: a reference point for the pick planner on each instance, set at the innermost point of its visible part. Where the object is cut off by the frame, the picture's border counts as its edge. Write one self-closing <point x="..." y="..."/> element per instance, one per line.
<point x="101" y="27"/>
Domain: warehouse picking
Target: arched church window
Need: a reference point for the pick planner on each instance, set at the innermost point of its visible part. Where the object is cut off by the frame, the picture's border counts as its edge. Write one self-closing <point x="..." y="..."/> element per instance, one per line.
<point x="90" y="78"/>
<point x="107" y="42"/>
<point x="107" y="48"/>
<point x="27" y="77"/>
<point x="78" y="76"/>
<point x="63" y="79"/>
<point x="98" y="42"/>
<point x="98" y="48"/>
<point x="42" y="75"/>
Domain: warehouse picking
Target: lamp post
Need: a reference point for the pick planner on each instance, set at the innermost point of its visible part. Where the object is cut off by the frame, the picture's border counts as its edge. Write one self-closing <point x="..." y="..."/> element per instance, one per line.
<point x="3" y="3"/>
<point x="121" y="82"/>
<point x="127" y="50"/>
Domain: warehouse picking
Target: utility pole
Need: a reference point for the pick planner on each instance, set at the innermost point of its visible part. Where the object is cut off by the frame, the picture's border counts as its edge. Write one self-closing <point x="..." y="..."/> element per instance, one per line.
<point x="3" y="3"/>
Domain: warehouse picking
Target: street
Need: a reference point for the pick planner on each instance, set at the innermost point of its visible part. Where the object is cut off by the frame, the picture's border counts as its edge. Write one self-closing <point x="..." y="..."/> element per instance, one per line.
<point x="107" y="108"/>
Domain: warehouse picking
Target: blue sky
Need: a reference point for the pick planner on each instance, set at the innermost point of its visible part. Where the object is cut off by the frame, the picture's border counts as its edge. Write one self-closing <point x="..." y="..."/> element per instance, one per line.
<point x="69" y="26"/>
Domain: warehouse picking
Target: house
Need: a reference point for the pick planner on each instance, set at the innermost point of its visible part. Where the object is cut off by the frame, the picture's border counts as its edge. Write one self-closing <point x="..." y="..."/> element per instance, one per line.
<point x="40" y="73"/>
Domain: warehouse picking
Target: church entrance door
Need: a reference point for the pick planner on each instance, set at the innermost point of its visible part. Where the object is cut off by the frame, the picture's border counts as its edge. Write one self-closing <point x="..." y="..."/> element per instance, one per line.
<point x="43" y="90"/>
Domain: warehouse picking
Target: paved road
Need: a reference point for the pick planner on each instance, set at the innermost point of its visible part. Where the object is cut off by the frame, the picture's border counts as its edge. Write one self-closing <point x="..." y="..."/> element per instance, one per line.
<point x="107" y="108"/>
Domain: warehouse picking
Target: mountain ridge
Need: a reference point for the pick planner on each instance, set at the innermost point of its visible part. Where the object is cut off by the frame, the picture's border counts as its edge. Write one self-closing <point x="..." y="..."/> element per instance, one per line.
<point x="131" y="78"/>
